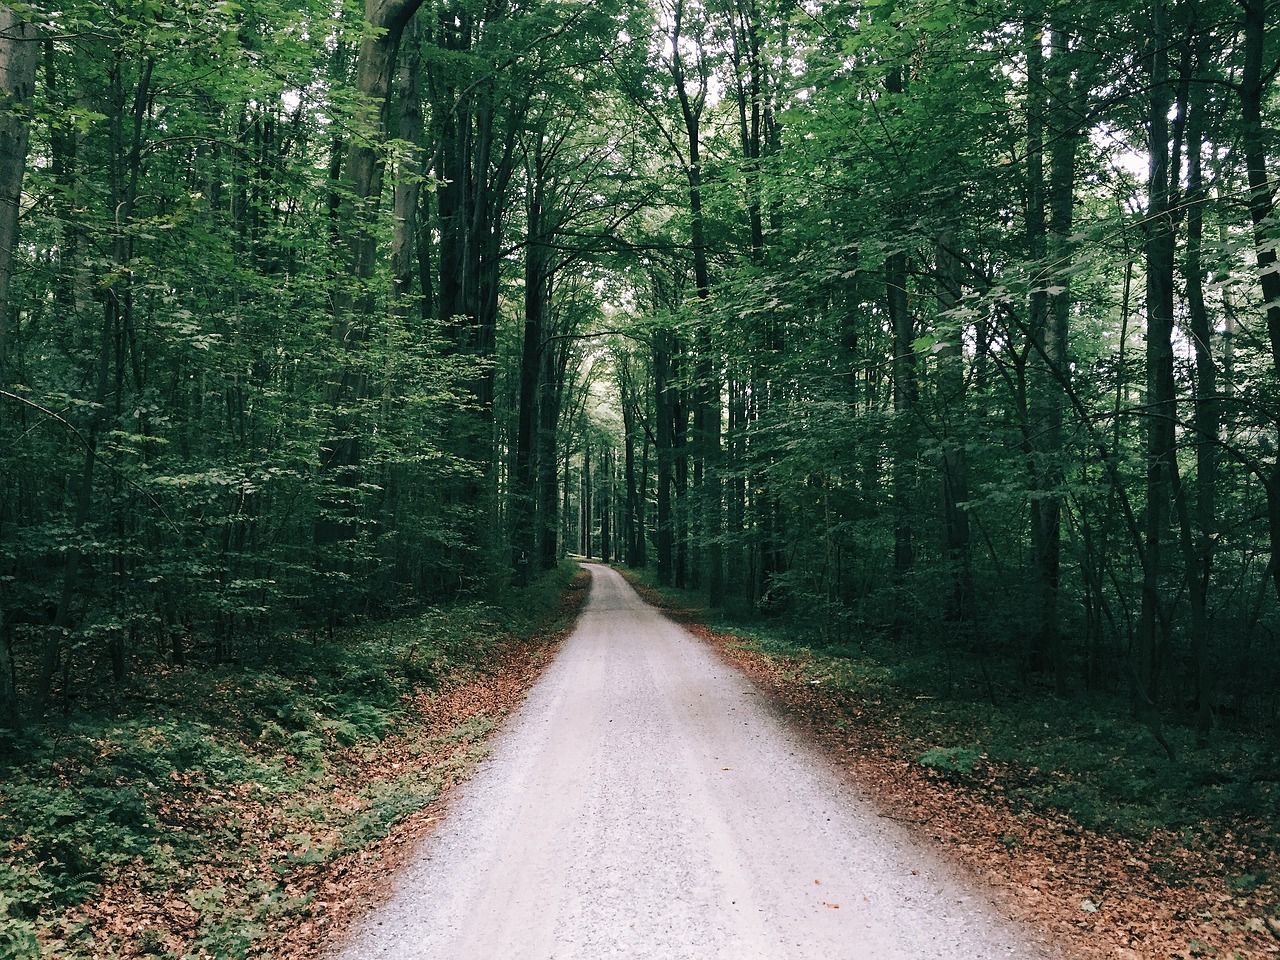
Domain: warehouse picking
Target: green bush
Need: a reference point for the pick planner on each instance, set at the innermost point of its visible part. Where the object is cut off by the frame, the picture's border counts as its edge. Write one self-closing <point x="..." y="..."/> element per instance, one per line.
<point x="17" y="932"/>
<point x="179" y="774"/>
<point x="75" y="836"/>
<point x="952" y="759"/>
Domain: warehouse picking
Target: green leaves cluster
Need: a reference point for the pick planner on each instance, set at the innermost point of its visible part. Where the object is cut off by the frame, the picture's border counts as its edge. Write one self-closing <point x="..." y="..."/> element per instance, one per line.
<point x="922" y="137"/>
<point x="215" y="789"/>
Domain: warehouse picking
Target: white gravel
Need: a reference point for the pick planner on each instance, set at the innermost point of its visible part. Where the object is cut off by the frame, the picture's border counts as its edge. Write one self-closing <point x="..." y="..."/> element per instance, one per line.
<point x="644" y="803"/>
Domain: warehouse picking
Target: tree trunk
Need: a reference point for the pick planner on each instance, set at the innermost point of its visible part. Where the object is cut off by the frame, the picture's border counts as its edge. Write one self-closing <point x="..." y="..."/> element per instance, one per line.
<point x="642" y="517"/>
<point x="736" y="498"/>
<point x="565" y="495"/>
<point x="905" y="394"/>
<point x="1261" y="212"/>
<point x="353" y="301"/>
<point x="905" y="391"/>
<point x="407" y="198"/>
<point x="680" y="448"/>
<point x="1160" y="398"/>
<point x="1063" y="114"/>
<point x="633" y="521"/>
<point x="363" y="168"/>
<point x="604" y="500"/>
<point x="19" y="49"/>
<point x="523" y="495"/>
<point x="585" y="511"/>
<point x="1041" y="459"/>
<point x="665" y="406"/>
<point x="547" y="514"/>
<point x="1207" y="416"/>
<point x="706" y="392"/>
<point x="955" y="464"/>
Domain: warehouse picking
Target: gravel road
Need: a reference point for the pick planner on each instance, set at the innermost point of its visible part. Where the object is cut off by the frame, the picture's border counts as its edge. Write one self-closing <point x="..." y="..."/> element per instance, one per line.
<point x="644" y="802"/>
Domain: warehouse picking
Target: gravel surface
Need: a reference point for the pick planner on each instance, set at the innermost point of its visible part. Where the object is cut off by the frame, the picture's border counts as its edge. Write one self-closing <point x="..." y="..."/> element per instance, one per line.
<point x="644" y="802"/>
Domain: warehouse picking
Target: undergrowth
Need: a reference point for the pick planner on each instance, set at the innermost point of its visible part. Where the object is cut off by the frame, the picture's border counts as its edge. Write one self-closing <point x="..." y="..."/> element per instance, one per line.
<point x="1084" y="754"/>
<point x="206" y="790"/>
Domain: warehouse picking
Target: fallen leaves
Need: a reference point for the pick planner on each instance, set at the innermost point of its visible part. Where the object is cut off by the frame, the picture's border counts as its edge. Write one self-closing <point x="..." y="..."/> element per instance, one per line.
<point x="275" y="862"/>
<point x="1098" y="895"/>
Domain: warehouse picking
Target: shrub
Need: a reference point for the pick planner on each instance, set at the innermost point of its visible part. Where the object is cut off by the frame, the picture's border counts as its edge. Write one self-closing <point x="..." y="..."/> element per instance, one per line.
<point x="952" y="759"/>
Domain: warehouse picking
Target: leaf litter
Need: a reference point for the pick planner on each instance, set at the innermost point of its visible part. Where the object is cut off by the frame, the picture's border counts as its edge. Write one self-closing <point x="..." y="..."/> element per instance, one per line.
<point x="1099" y="895"/>
<point x="287" y="874"/>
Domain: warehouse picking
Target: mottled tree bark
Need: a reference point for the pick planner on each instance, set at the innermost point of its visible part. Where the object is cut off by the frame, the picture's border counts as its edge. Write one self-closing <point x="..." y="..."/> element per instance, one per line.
<point x="1262" y="213"/>
<point x="1160" y="387"/>
<point x="19" y="50"/>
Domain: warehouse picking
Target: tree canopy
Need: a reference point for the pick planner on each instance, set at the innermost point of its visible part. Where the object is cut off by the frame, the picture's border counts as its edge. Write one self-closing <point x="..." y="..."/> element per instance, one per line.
<point x="951" y="323"/>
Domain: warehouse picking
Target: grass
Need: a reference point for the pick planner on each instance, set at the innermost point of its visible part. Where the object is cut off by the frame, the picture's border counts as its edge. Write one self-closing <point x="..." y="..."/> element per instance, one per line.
<point x="207" y="792"/>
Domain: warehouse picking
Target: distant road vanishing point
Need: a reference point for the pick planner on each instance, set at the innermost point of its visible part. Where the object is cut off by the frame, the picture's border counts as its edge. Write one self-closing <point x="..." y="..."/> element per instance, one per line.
<point x="644" y="803"/>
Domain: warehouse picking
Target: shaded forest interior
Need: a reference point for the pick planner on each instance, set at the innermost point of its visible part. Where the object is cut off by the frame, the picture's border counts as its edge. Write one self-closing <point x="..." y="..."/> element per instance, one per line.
<point x="940" y="333"/>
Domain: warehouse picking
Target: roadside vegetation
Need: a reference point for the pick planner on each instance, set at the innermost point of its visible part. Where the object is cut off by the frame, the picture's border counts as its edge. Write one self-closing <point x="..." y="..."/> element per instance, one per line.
<point x="205" y="812"/>
<point x="1069" y="803"/>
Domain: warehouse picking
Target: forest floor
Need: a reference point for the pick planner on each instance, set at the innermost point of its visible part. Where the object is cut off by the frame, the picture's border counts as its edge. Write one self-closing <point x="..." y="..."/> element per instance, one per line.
<point x="278" y="813"/>
<point x="645" y="803"/>
<point x="215" y="814"/>
<point x="1208" y="889"/>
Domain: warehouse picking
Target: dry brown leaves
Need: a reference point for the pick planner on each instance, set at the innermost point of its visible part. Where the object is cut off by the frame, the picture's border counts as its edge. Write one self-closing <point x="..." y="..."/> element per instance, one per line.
<point x="1095" y="895"/>
<point x="1099" y="897"/>
<point x="324" y="896"/>
<point x="351" y="886"/>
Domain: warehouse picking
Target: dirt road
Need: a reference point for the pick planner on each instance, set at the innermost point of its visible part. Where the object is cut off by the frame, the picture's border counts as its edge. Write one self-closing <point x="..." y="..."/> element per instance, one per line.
<point x="644" y="803"/>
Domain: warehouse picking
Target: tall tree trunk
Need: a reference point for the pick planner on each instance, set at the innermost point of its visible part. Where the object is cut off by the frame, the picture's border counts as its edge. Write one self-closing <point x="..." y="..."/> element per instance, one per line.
<point x="474" y="164"/>
<point x="523" y="490"/>
<point x="665" y="407"/>
<point x="642" y="521"/>
<point x="633" y="522"/>
<point x="706" y="392"/>
<point x="1063" y="113"/>
<point x="630" y="514"/>
<point x="566" y="533"/>
<point x="905" y="391"/>
<point x="754" y="568"/>
<point x="407" y="197"/>
<point x="955" y="464"/>
<point x="1160" y="398"/>
<point x="736" y="498"/>
<point x="1261" y="212"/>
<point x="555" y="361"/>
<point x="353" y="301"/>
<point x="585" y="512"/>
<point x="376" y="62"/>
<point x="680" y="446"/>
<point x="1045" y="535"/>
<point x="19" y="49"/>
<point x="604" y="501"/>
<point x="1207" y="416"/>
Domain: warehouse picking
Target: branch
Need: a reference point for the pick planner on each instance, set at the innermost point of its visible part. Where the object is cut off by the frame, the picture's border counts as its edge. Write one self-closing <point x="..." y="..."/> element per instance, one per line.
<point x="93" y="452"/>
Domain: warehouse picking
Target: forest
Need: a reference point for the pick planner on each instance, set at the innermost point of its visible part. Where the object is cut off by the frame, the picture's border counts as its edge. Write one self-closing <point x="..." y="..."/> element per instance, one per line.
<point x="945" y="331"/>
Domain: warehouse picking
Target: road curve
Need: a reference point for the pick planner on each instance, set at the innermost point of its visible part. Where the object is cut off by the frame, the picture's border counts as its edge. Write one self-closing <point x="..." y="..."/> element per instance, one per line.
<point x="644" y="803"/>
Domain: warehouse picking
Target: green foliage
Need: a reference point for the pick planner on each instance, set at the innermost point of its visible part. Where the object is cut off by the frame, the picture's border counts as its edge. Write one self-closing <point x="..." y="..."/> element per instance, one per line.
<point x="1246" y="882"/>
<point x="958" y="760"/>
<point x="198" y="772"/>
<point x="1086" y="756"/>
<point x="197" y="539"/>
<point x="386" y="803"/>
<point x="17" y="932"/>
